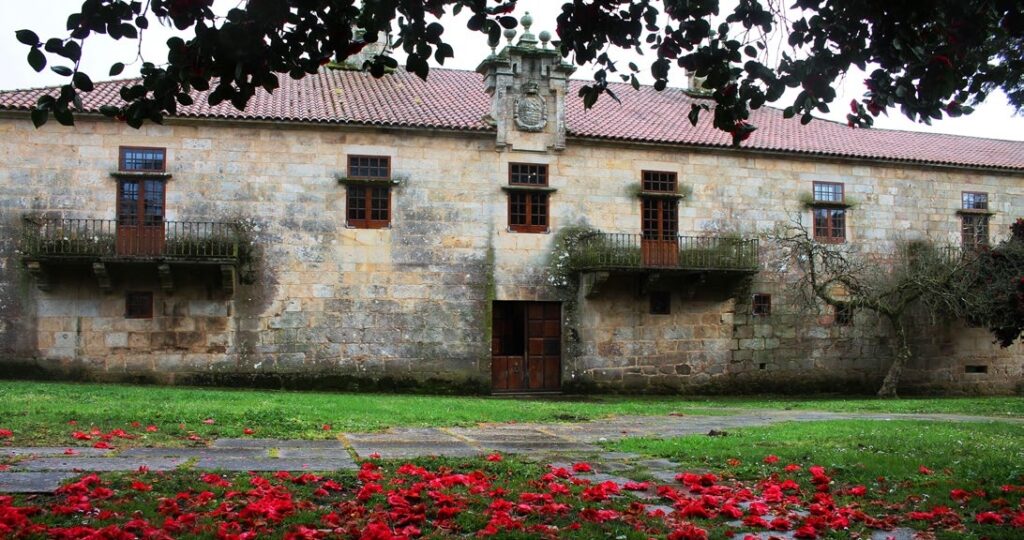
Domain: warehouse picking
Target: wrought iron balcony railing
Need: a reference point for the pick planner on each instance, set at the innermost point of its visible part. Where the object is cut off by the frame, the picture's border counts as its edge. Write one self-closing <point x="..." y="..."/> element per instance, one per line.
<point x="620" y="251"/>
<point x="132" y="240"/>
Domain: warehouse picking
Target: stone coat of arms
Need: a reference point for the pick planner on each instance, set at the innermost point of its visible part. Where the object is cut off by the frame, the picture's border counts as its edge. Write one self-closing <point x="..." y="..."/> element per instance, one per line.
<point x="531" y="112"/>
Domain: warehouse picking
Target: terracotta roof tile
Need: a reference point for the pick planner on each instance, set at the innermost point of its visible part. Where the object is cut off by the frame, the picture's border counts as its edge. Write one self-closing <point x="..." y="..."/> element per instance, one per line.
<point x="453" y="99"/>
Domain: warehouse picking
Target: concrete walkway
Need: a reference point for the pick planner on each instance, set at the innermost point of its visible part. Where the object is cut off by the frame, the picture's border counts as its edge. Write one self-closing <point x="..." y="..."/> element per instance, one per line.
<point x="42" y="469"/>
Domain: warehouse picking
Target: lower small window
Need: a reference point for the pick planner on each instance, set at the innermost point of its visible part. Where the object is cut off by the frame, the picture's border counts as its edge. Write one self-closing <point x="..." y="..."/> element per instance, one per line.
<point x="762" y="305"/>
<point x="138" y="305"/>
<point x="975" y="369"/>
<point x="661" y="303"/>
<point x="368" y="207"/>
<point x="843" y="315"/>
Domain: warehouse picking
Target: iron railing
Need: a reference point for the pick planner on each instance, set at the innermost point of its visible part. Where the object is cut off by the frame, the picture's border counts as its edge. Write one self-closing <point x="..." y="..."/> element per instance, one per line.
<point x="108" y="238"/>
<point x="598" y="251"/>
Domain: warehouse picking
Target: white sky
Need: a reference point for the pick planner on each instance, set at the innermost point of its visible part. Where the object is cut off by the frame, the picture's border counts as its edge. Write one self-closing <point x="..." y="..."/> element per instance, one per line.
<point x="993" y="119"/>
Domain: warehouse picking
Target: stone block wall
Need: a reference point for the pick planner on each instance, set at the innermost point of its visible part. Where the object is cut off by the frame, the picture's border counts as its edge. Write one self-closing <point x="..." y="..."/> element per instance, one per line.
<point x="339" y="307"/>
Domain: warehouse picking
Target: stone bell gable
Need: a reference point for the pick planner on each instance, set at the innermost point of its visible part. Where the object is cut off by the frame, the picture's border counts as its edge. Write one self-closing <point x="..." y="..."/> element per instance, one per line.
<point x="527" y="83"/>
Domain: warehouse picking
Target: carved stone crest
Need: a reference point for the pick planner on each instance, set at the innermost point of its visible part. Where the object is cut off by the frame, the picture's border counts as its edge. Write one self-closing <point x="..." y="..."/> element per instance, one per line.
<point x="531" y="113"/>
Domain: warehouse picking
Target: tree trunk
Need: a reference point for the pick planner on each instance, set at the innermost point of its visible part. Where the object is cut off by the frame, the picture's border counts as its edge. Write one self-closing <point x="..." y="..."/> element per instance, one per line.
<point x="900" y="356"/>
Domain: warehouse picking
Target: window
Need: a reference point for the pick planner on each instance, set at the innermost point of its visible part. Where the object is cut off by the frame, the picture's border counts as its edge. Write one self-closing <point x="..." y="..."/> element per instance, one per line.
<point x="843" y="315"/>
<point x="368" y="205"/>
<point x="974" y="219"/>
<point x="661" y="302"/>
<point x="138" y="197"/>
<point x="829" y="211"/>
<point x="138" y="305"/>
<point x="528" y="209"/>
<point x="142" y="159"/>
<point x="660" y="181"/>
<point x="660" y="218"/>
<point x="762" y="305"/>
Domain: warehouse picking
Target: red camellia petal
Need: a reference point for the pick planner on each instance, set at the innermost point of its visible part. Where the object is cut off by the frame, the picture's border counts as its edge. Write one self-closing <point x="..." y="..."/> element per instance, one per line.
<point x="770" y="459"/>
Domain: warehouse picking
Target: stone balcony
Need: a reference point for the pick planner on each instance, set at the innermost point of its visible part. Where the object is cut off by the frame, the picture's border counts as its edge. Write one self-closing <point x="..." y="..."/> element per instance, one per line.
<point x="50" y="242"/>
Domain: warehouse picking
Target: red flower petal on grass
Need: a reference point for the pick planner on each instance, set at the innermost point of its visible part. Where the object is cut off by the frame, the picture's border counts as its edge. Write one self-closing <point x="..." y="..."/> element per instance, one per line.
<point x="858" y="491"/>
<point x="988" y="518"/>
<point x="80" y="436"/>
<point x="924" y="470"/>
<point x="770" y="459"/>
<point x="103" y="445"/>
<point x="141" y="486"/>
<point x="582" y="467"/>
<point x="248" y="431"/>
<point x="151" y="428"/>
<point x="495" y="457"/>
<point x="6" y="433"/>
<point x="326" y="427"/>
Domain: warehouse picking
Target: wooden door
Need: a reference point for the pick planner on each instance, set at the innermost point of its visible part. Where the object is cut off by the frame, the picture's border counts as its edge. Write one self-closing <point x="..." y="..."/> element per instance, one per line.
<point x="140" y="217"/>
<point x="659" y="245"/>
<point x="526" y="348"/>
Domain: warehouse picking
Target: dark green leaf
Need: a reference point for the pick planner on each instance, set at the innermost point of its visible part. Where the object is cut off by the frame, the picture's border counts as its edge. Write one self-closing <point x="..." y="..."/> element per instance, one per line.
<point x="39" y="116"/>
<point x="27" y="37"/>
<point x="36" y="59"/>
<point x="62" y="70"/>
<point x="110" y="110"/>
<point x="116" y="69"/>
<point x="82" y="82"/>
<point x="64" y="116"/>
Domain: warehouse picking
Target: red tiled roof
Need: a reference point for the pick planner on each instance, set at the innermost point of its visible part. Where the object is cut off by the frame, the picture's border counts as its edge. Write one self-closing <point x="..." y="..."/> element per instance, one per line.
<point x="453" y="99"/>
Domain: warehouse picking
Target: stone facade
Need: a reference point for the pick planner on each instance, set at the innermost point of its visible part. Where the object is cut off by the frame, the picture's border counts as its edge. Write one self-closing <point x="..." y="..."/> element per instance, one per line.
<point x="409" y="305"/>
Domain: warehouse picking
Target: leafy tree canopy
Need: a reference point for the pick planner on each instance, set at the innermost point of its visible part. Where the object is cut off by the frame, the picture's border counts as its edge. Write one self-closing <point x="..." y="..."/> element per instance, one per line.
<point x="930" y="59"/>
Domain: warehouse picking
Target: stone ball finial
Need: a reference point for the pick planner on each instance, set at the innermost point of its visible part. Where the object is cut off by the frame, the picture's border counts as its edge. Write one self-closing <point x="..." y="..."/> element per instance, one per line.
<point x="527" y="21"/>
<point x="510" y="34"/>
<point x="545" y="37"/>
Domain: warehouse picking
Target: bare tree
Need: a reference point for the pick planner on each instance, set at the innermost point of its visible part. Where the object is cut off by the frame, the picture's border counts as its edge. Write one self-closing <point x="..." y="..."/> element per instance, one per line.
<point x="915" y="273"/>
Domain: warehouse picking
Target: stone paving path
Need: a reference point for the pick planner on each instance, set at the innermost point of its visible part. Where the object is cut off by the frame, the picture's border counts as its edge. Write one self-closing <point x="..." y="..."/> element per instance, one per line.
<point x="42" y="469"/>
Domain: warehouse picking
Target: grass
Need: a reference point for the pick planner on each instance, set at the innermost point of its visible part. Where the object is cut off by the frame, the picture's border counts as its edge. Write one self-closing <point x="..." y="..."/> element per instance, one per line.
<point x="38" y="413"/>
<point x="884" y="456"/>
<point x="514" y="498"/>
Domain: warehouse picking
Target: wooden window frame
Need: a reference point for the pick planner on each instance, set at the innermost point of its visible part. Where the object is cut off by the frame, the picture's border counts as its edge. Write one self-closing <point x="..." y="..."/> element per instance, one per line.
<point x="963" y="200"/>
<point x="830" y="208"/>
<point x="971" y="237"/>
<point x="512" y="176"/>
<point x="761" y="305"/>
<point x="348" y="167"/>
<point x="144" y="309"/>
<point x="534" y="195"/>
<point x="647" y="178"/>
<point x="369" y="187"/>
<point x="662" y="207"/>
<point x="140" y="202"/>
<point x="122" y="150"/>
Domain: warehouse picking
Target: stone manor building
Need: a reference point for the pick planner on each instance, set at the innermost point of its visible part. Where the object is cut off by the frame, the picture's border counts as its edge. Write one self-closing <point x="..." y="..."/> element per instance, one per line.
<point x="479" y="231"/>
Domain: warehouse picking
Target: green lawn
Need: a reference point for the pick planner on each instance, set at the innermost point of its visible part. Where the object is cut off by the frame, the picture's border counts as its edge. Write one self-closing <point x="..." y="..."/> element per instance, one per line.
<point x="884" y="456"/>
<point x="973" y="488"/>
<point x="39" y="413"/>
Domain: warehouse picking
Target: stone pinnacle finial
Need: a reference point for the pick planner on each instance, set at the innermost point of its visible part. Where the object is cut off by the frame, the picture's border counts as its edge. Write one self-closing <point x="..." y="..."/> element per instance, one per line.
<point x="528" y="39"/>
<point x="545" y="37"/>
<point x="527" y="22"/>
<point x="510" y="34"/>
